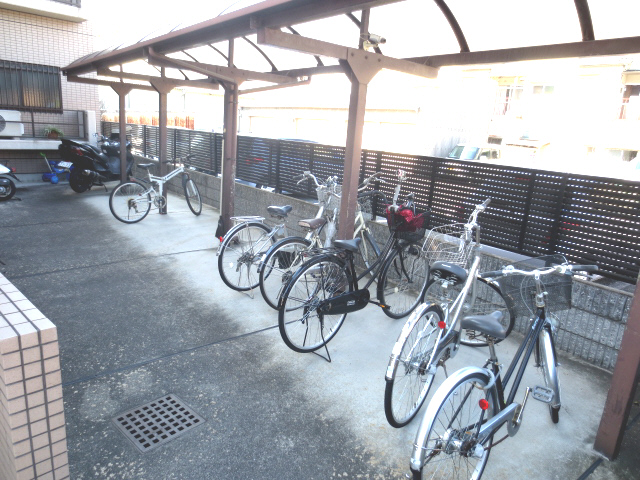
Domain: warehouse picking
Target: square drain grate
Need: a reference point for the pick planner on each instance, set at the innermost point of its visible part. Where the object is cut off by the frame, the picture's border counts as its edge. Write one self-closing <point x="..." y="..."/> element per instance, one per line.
<point x="155" y="423"/>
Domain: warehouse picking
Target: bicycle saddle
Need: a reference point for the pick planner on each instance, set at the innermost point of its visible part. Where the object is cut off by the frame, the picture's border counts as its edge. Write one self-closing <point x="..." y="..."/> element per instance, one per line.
<point x="352" y="245"/>
<point x="445" y="269"/>
<point x="279" y="211"/>
<point x="487" y="324"/>
<point x="312" y="223"/>
<point x="145" y="165"/>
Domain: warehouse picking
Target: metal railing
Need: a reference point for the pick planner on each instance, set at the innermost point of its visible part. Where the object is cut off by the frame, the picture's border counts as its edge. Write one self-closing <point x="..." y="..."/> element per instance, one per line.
<point x="588" y="219"/>
<point x="72" y="123"/>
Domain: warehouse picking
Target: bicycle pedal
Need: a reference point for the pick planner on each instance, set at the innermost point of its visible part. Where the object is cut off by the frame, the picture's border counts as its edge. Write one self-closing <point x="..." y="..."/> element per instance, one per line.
<point x="543" y="394"/>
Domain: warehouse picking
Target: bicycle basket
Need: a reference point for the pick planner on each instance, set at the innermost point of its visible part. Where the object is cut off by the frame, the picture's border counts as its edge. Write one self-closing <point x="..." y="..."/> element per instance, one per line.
<point x="520" y="290"/>
<point x="406" y="225"/>
<point x="447" y="244"/>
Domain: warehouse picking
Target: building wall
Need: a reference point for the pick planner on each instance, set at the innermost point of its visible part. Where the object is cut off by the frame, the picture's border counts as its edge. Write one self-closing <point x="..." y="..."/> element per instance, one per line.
<point x="30" y="38"/>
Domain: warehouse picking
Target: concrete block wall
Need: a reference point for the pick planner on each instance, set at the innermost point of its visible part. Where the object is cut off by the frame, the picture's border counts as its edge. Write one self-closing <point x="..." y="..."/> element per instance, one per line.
<point x="32" y="424"/>
<point x="591" y="330"/>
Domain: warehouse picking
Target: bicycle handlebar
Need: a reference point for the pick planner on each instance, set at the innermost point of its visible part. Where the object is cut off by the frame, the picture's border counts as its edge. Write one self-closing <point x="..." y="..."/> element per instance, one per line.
<point x="562" y="269"/>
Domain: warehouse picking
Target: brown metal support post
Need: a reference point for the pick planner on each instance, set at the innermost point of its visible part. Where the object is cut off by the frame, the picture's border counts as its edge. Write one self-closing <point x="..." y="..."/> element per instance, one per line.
<point x="360" y="71"/>
<point x="163" y="88"/>
<point x="122" y="91"/>
<point x="623" y="386"/>
<point x="228" y="182"/>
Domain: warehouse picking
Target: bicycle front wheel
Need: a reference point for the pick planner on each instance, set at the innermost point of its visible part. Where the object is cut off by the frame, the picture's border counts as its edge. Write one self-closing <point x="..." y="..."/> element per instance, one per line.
<point x="446" y="445"/>
<point x="483" y="298"/>
<point x="281" y="262"/>
<point x="240" y="255"/>
<point x="129" y="202"/>
<point x="302" y="326"/>
<point x="192" y="194"/>
<point x="549" y="367"/>
<point x="403" y="281"/>
<point x="412" y="366"/>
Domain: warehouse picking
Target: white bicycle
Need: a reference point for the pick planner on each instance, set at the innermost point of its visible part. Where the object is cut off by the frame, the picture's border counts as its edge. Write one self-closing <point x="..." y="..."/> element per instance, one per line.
<point x="131" y="201"/>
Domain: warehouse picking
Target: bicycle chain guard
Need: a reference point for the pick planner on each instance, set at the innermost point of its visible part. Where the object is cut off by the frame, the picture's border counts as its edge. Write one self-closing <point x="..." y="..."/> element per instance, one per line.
<point x="345" y="302"/>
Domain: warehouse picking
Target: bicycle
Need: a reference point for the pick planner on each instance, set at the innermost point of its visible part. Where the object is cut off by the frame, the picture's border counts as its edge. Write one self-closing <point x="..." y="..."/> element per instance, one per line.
<point x="315" y="302"/>
<point x="131" y="201"/>
<point x="243" y="249"/>
<point x="456" y="432"/>
<point x="286" y="255"/>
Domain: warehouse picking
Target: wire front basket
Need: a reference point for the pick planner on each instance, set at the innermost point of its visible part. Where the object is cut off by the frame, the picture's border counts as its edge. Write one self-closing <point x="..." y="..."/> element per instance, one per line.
<point x="449" y="243"/>
<point x="520" y="290"/>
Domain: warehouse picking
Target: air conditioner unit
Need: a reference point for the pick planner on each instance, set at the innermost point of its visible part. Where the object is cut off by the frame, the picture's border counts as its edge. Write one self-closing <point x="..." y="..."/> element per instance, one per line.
<point x="10" y="125"/>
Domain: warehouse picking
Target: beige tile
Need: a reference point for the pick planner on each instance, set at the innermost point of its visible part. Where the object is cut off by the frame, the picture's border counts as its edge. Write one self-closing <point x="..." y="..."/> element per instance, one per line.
<point x="33" y="314"/>
<point x="19" y="434"/>
<point x="56" y="406"/>
<point x="31" y="355"/>
<point x="37" y="413"/>
<point x="38" y="427"/>
<point x="16" y="296"/>
<point x="47" y="476"/>
<point x="13" y="375"/>
<point x="3" y="322"/>
<point x="54" y="393"/>
<point x="8" y="340"/>
<point x="59" y="447"/>
<point x="17" y="405"/>
<point x="56" y="421"/>
<point x="24" y="305"/>
<point x="15" y="318"/>
<point x="52" y="364"/>
<point x="33" y="369"/>
<point x="41" y="440"/>
<point x="48" y="330"/>
<point x="42" y="454"/>
<point x="43" y="467"/>
<point x="60" y="460"/>
<point x="6" y="308"/>
<point x="9" y="287"/>
<point x="35" y="399"/>
<point x="52" y="379"/>
<point x="62" y="473"/>
<point x="58" y="434"/>
<point x="50" y="350"/>
<point x="21" y="448"/>
<point x="26" y="474"/>
<point x="24" y="461"/>
<point x="14" y="390"/>
<point x="35" y="384"/>
<point x="10" y="360"/>
<point x="4" y="298"/>
<point x="18" y="419"/>
<point x="28" y="335"/>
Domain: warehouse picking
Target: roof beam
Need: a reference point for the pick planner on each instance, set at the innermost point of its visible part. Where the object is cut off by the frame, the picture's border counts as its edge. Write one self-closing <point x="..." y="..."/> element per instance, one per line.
<point x="206" y="83"/>
<point x="274" y="87"/>
<point x="225" y="74"/>
<point x="613" y="46"/>
<point x="276" y="38"/>
<point x="114" y="85"/>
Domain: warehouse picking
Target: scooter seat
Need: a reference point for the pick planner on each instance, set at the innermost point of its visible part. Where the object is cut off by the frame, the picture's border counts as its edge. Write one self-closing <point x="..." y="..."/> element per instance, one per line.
<point x="352" y="245"/>
<point x="312" y="223"/>
<point x="279" y="211"/>
<point x="145" y="165"/>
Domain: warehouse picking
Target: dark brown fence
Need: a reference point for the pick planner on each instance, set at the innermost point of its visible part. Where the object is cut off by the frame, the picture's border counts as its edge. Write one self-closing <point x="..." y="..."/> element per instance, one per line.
<point x="590" y="220"/>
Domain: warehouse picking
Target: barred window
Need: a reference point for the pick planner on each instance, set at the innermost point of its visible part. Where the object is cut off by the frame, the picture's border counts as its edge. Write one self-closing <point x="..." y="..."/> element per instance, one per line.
<point x="25" y="86"/>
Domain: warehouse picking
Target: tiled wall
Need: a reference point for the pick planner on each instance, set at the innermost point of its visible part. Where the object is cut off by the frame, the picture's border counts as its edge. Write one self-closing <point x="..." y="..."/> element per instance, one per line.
<point x="32" y="426"/>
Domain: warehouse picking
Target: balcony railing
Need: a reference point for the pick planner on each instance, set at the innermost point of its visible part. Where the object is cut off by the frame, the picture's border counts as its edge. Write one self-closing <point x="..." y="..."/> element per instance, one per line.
<point x="72" y="123"/>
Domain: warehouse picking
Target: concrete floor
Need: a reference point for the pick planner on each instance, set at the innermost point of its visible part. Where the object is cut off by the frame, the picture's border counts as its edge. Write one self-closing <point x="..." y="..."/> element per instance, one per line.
<point x="141" y="313"/>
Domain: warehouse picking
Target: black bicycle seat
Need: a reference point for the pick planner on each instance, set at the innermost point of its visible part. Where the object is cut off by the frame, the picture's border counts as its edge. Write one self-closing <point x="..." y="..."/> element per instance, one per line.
<point x="446" y="269"/>
<point x="487" y="324"/>
<point x="279" y="211"/>
<point x="312" y="223"/>
<point x="352" y="245"/>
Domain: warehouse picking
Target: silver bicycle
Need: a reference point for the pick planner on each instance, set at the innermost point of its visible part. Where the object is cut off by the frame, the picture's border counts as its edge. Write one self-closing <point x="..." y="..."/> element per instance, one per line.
<point x="131" y="201"/>
<point x="455" y="436"/>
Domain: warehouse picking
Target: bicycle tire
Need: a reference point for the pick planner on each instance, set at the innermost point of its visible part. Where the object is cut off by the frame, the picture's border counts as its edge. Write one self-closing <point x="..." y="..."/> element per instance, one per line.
<point x="123" y="203"/>
<point x="318" y="279"/>
<point x="280" y="263"/>
<point x="548" y="364"/>
<point x="403" y="281"/>
<point x="488" y="299"/>
<point x="447" y="428"/>
<point x="192" y="195"/>
<point x="412" y="369"/>
<point x="369" y="249"/>
<point x="238" y="252"/>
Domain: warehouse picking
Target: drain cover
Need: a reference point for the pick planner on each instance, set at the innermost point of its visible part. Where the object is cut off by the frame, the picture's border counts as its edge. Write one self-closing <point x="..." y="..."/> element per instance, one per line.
<point x="155" y="423"/>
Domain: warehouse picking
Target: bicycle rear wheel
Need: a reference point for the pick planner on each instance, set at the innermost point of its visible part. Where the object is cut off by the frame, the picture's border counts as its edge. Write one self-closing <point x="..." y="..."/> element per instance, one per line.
<point x="240" y="255"/>
<point x="129" y="203"/>
<point x="488" y="299"/>
<point x="192" y="195"/>
<point x="281" y="262"/>
<point x="445" y="445"/>
<point x="412" y="367"/>
<point x="302" y="327"/>
<point x="403" y="281"/>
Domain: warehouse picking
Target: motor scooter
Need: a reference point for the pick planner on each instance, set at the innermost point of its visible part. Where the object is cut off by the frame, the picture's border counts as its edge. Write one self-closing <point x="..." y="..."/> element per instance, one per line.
<point x="7" y="187"/>
<point x="89" y="165"/>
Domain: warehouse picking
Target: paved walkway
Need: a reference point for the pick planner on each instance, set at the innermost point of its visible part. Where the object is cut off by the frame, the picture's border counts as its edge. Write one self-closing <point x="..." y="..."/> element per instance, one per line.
<point x="142" y="313"/>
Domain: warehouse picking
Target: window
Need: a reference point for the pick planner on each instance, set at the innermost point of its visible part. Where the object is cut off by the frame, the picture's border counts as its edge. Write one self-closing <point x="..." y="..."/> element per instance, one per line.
<point x="508" y="98"/>
<point x="24" y="86"/>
